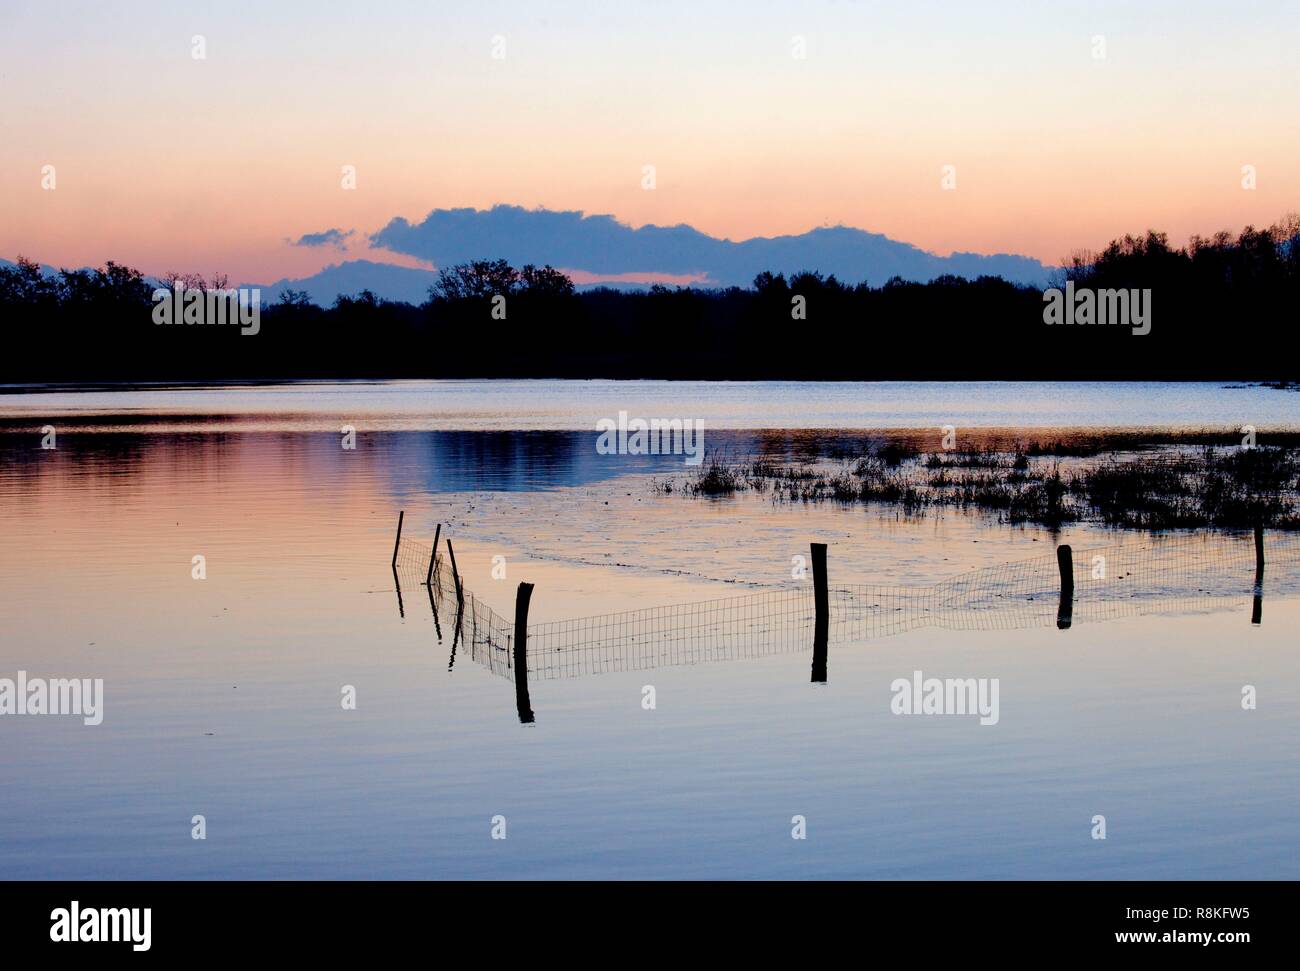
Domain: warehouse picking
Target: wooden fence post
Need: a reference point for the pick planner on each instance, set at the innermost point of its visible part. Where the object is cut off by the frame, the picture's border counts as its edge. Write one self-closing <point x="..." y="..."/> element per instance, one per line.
<point x="434" y="607"/>
<point x="397" y="583"/>
<point x="822" y="624"/>
<point x="398" y="542"/>
<point x="433" y="557"/>
<point x="522" y="701"/>
<point x="1257" y="608"/>
<point x="455" y="574"/>
<point x="1065" y="563"/>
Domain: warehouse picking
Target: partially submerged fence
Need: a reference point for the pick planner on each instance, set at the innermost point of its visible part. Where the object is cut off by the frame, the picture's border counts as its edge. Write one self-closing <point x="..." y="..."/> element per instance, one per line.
<point x="1157" y="574"/>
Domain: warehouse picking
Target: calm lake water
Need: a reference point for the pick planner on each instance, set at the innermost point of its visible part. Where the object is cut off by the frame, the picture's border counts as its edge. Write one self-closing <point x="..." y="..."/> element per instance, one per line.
<point x="222" y="695"/>
<point x="577" y="405"/>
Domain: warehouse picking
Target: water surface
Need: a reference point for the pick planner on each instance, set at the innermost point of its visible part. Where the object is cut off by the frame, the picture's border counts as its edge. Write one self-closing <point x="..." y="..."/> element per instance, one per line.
<point x="223" y="694"/>
<point x="577" y="405"/>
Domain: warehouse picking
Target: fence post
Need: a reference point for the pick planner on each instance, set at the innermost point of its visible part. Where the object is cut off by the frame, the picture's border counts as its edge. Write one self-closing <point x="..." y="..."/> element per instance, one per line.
<point x="455" y="574"/>
<point x="397" y="583"/>
<point x="434" y="607"/>
<point x="1257" y="608"/>
<point x="433" y="557"/>
<point x="398" y="542"/>
<point x="455" y="633"/>
<point x="822" y="624"/>
<point x="1065" y="563"/>
<point x="522" y="701"/>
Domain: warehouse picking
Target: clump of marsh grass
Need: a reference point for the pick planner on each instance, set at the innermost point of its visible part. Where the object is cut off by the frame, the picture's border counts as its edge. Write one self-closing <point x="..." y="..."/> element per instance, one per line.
<point x="764" y="469"/>
<point x="716" y="478"/>
<point x="894" y="454"/>
<point x="1175" y="486"/>
<point x="1064" y="449"/>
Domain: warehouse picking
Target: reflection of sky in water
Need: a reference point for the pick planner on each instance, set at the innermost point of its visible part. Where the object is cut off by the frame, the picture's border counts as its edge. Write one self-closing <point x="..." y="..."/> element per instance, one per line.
<point x="510" y="461"/>
<point x="222" y="696"/>
<point x="543" y="405"/>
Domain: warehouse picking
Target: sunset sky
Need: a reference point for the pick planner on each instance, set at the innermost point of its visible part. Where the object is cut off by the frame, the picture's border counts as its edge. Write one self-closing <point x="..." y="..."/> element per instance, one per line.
<point x="164" y="161"/>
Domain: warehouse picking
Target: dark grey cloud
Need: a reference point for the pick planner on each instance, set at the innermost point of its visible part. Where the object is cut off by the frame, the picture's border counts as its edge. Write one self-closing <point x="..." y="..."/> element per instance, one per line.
<point x="600" y="244"/>
<point x="330" y="237"/>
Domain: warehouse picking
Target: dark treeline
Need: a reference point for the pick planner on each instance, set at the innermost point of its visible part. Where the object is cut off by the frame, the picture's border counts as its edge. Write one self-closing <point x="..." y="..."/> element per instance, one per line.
<point x="1221" y="308"/>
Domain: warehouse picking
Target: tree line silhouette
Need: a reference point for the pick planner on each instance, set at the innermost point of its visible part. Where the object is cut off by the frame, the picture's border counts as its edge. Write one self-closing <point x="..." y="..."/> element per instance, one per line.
<point x="1223" y="307"/>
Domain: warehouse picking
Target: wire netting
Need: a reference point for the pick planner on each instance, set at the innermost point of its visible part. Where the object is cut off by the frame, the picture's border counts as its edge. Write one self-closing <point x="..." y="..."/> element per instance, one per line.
<point x="1155" y="574"/>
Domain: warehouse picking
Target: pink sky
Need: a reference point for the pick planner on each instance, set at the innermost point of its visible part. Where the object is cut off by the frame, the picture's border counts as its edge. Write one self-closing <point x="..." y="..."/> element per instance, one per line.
<point x="164" y="161"/>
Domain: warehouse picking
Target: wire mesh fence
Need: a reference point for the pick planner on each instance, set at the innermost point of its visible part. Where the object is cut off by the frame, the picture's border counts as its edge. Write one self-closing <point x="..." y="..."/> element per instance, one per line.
<point x="753" y="625"/>
<point x="1187" y="573"/>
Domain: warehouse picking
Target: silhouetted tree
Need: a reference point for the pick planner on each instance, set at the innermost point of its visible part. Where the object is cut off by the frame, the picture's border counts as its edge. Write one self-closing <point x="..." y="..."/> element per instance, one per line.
<point x="481" y="278"/>
<point x="1219" y="293"/>
<point x="545" y="282"/>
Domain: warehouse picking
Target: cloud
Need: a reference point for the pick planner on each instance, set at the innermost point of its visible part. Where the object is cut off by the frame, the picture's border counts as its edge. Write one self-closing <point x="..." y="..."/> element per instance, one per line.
<point x="601" y="245"/>
<point x="330" y="237"/>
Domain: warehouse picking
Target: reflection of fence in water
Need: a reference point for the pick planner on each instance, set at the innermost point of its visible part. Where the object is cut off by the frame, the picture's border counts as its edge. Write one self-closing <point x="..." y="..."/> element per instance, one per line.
<point x="1179" y="574"/>
<point x="473" y="626"/>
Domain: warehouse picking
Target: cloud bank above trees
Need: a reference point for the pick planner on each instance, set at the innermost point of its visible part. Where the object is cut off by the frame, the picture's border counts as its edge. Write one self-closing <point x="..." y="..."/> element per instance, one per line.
<point x="603" y="246"/>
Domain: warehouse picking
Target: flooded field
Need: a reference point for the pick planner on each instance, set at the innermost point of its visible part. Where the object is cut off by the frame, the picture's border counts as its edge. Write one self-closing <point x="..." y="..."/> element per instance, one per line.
<point x="222" y="694"/>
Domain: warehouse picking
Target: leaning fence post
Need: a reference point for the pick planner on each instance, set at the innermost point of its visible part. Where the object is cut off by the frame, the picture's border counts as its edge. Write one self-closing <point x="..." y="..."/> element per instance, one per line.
<point x="433" y="557"/>
<point x="398" y="542"/>
<point x="455" y="574"/>
<point x="822" y="624"/>
<point x="397" y="583"/>
<point x="434" y="607"/>
<point x="522" y="702"/>
<point x="1065" y="563"/>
